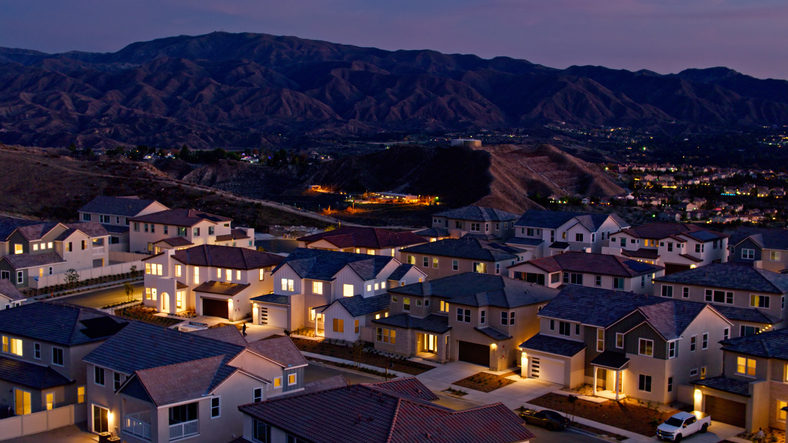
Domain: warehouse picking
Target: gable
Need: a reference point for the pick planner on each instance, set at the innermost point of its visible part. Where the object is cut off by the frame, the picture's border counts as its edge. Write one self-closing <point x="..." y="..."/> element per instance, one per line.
<point x="323" y="244"/>
<point x="256" y="365"/>
<point x="747" y="243"/>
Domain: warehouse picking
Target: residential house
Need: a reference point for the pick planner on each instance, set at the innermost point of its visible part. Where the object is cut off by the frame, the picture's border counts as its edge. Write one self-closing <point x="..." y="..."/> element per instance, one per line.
<point x="471" y="317"/>
<point x="675" y="246"/>
<point x="752" y="389"/>
<point x="10" y="297"/>
<point x="43" y="344"/>
<point x="753" y="299"/>
<point x="153" y="384"/>
<point x="588" y="269"/>
<point x="115" y="213"/>
<point x="209" y="280"/>
<point x="42" y="249"/>
<point x="390" y="412"/>
<point x="760" y="247"/>
<point x="447" y="257"/>
<point x="625" y="344"/>
<point x="476" y="221"/>
<point x="546" y="233"/>
<point x="153" y="233"/>
<point x="333" y="293"/>
<point x="361" y="240"/>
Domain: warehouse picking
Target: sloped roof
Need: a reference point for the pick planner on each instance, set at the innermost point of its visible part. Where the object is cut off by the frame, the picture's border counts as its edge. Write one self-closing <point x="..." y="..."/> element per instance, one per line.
<point x="176" y="241"/>
<point x="221" y="287"/>
<point x="369" y="413"/>
<point x="180" y="217"/>
<point x="324" y="265"/>
<point x="538" y="218"/>
<point x="122" y="206"/>
<point x="752" y="315"/>
<point x="410" y="386"/>
<point x="672" y="317"/>
<point x="401" y="271"/>
<point x="34" y="376"/>
<point x="272" y="298"/>
<point x="59" y="323"/>
<point x="10" y="291"/>
<point x="37" y="231"/>
<point x="731" y="276"/>
<point x="91" y="229"/>
<point x="9" y="224"/>
<point x="433" y="232"/>
<point x="771" y="344"/>
<point x="281" y="350"/>
<point x="553" y="345"/>
<point x="594" y="264"/>
<point x="365" y="237"/>
<point x="28" y="260"/>
<point x="182" y="381"/>
<point x="521" y="241"/>
<point x="228" y="334"/>
<point x="665" y="230"/>
<point x="466" y="247"/>
<point x="493" y="333"/>
<point x="595" y="306"/>
<point x="358" y="305"/>
<point x="722" y="383"/>
<point x="766" y="238"/>
<point x="226" y="257"/>
<point x="235" y="234"/>
<point x="478" y="213"/>
<point x="431" y="323"/>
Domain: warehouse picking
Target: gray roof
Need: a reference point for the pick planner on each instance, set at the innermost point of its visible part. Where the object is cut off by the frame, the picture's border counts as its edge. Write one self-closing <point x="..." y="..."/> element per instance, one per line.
<point x="594" y="264"/>
<point x="91" y="229"/>
<point x="34" y="376"/>
<point x="431" y="323"/>
<point x="317" y="264"/>
<point x="752" y="315"/>
<point x="553" y="345"/>
<point x="273" y="298"/>
<point x="771" y="344"/>
<point x="731" y="276"/>
<point x="671" y="317"/>
<point x="722" y="383"/>
<point x="472" y="289"/>
<point x="122" y="206"/>
<point x="179" y="382"/>
<point x="357" y="305"/>
<point x="28" y="260"/>
<point x="10" y="291"/>
<point x="493" y="333"/>
<point x="226" y="257"/>
<point x="478" y="213"/>
<point x="665" y="230"/>
<point x="537" y="218"/>
<point x="766" y="238"/>
<point x="59" y="323"/>
<point x="9" y="224"/>
<point x="400" y="272"/>
<point x="229" y="334"/>
<point x="466" y="247"/>
<point x="611" y="359"/>
<point x="433" y="232"/>
<point x="594" y="306"/>
<point x="520" y="241"/>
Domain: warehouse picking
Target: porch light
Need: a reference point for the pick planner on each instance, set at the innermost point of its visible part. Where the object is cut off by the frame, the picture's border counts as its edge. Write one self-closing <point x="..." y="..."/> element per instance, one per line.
<point x="698" y="398"/>
<point x="109" y="416"/>
<point x="493" y="346"/>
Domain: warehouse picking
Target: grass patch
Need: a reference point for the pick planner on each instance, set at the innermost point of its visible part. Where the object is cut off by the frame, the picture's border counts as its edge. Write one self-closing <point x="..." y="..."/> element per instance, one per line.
<point x="485" y="382"/>
<point x="455" y="392"/>
<point x="368" y="357"/>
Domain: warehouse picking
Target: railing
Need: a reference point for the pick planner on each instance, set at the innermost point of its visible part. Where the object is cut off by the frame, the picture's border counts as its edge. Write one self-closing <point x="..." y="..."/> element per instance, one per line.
<point x="134" y="426"/>
<point x="98" y="250"/>
<point x="185" y="429"/>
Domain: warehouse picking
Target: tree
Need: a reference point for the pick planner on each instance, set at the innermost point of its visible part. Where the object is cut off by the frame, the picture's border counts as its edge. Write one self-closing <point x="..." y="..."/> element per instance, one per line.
<point x="184" y="154"/>
<point x="129" y="290"/>
<point x="133" y="271"/>
<point x="71" y="276"/>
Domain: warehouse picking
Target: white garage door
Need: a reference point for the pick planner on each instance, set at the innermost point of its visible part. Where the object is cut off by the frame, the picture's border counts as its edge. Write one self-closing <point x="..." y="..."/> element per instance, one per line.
<point x="273" y="317"/>
<point x="547" y="370"/>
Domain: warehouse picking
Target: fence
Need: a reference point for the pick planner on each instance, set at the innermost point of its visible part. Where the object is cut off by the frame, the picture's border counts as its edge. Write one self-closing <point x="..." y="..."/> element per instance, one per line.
<point x="43" y="421"/>
<point x="113" y="309"/>
<point x="125" y="257"/>
<point x="86" y="274"/>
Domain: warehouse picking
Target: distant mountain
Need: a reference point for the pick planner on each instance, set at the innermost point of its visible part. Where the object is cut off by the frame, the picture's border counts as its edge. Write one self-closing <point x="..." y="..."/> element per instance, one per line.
<point x="226" y="89"/>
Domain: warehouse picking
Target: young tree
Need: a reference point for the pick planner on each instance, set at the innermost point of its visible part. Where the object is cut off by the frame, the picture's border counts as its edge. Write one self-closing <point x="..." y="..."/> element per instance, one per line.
<point x="71" y="276"/>
<point x="129" y="290"/>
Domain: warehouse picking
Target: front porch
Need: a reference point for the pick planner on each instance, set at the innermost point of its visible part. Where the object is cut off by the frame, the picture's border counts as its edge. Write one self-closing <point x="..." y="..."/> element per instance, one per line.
<point x="609" y="368"/>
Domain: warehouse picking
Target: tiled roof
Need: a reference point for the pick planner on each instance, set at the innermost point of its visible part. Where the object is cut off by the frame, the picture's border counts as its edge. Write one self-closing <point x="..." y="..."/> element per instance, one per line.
<point x="553" y="345"/>
<point x="357" y="305"/>
<point x="28" y="260"/>
<point x="752" y="315"/>
<point x="176" y="241"/>
<point x="369" y="413"/>
<point x="473" y="289"/>
<point x="594" y="264"/>
<point x="318" y="264"/>
<point x="235" y="234"/>
<point x="59" y="323"/>
<point x="272" y="298"/>
<point x="281" y="350"/>
<point x="433" y="232"/>
<point x="410" y="386"/>
<point x="364" y="237"/>
<point x="594" y="306"/>
<point x="10" y="291"/>
<point x="766" y="238"/>
<point x="122" y="206"/>
<point x="180" y="217"/>
<point x="641" y="253"/>
<point x="228" y="334"/>
<point x="536" y="218"/>
<point x="226" y="257"/>
<point x="466" y="247"/>
<point x="9" y="224"/>
<point x="221" y="288"/>
<point x="478" y="213"/>
<point x="91" y="229"/>
<point x="726" y="384"/>
<point x="559" y="245"/>
<point x="611" y="359"/>
<point x="521" y="241"/>
<point x="181" y="381"/>
<point x="772" y="344"/>
<point x="670" y="318"/>
<point x="731" y="276"/>
<point x="665" y="230"/>
<point x="18" y="372"/>
<point x="430" y="323"/>
<point x="493" y="333"/>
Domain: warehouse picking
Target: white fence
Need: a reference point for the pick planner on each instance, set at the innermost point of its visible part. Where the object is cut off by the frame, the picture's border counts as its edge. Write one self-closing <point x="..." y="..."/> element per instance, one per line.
<point x="124" y="257"/>
<point x="86" y="274"/>
<point x="111" y="311"/>
<point x="43" y="421"/>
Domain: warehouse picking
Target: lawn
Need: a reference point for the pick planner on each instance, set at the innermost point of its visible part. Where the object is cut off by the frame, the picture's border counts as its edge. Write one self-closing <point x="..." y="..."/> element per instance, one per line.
<point x="146" y="315"/>
<point x="628" y="414"/>
<point x="368" y="356"/>
<point x="485" y="382"/>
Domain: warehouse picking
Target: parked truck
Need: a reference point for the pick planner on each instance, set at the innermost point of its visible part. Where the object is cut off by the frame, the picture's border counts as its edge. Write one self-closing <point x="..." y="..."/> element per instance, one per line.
<point x="683" y="425"/>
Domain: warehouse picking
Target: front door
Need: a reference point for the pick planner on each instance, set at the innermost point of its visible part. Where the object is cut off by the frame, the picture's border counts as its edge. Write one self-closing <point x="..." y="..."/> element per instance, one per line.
<point x="100" y="419"/>
<point x="601" y="383"/>
<point x="165" y="302"/>
<point x="21" y="402"/>
<point x="429" y="343"/>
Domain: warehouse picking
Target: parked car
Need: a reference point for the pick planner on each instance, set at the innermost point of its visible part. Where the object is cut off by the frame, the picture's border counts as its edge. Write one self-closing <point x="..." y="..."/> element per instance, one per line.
<point x="545" y="418"/>
<point x="683" y="424"/>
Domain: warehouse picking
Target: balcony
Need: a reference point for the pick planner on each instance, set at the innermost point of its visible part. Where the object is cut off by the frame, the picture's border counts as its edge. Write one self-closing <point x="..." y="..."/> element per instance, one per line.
<point x="98" y="250"/>
<point x="135" y="424"/>
<point x="184" y="429"/>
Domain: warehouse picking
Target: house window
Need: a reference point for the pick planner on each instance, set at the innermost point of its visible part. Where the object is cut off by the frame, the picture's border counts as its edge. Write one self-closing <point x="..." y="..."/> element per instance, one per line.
<point x="377" y="286"/>
<point x="288" y="284"/>
<point x="317" y="287"/>
<point x="702" y="372"/>
<point x="356" y="327"/>
<point x="425" y="262"/>
<point x="463" y="315"/>
<point x="262" y="274"/>
<point x="237" y="275"/>
<point x="667" y="291"/>
<point x="670" y="384"/>
<point x="37" y="351"/>
<point x="671" y="349"/>
<point x="555" y="278"/>
<point x="579" y="237"/>
<point x="563" y="328"/>
<point x="726" y="333"/>
<point x="507" y="318"/>
<point x="698" y="248"/>
<point x="719" y="296"/>
<point x="693" y="372"/>
<point x="386" y="335"/>
<point x="85" y="217"/>
<point x="369" y="287"/>
<point x="497" y="269"/>
<point x="685" y="292"/>
<point x="50" y="401"/>
<point x="475" y="227"/>
<point x="145" y="225"/>
<point x="411" y="260"/>
<point x="277" y="382"/>
<point x="116" y="380"/>
<point x="435" y="262"/>
<point x="745" y="366"/>
<point x="455" y="265"/>
<point x="749" y="330"/>
<point x="748" y="254"/>
<point x="482" y="316"/>
<point x="20" y="277"/>
<point x="598" y="280"/>
<point x="759" y="301"/>
<point x="196" y="232"/>
<point x="339" y="325"/>
<point x="136" y="227"/>
<point x="257" y="395"/>
<point x="618" y="283"/>
<point x="600" y="340"/>
<point x="670" y="246"/>
<point x="704" y="342"/>
<point x="619" y="340"/>
<point x="552" y="325"/>
<point x="644" y="383"/>
<point x="80" y="394"/>
<point x="261" y="432"/>
<point x="774" y="255"/>
<point x="347" y="290"/>
<point x="406" y="303"/>
<point x="212" y="230"/>
<point x="693" y="343"/>
<point x="166" y="230"/>
<point x="57" y="356"/>
<point x="98" y="376"/>
<point x="444" y="307"/>
<point x="177" y="270"/>
<point x="35" y="246"/>
<point x="181" y="231"/>
<point x="577" y="328"/>
<point x="196" y="275"/>
<point x="479" y="267"/>
<point x="646" y="347"/>
<point x="781" y="414"/>
<point x="216" y="410"/>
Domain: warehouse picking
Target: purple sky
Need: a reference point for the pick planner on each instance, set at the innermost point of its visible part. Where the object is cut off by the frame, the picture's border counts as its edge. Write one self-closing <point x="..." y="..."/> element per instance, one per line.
<point x="750" y="36"/>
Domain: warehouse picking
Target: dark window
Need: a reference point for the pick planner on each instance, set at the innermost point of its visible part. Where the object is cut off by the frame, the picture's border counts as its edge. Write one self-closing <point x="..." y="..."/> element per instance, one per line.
<point x="98" y="375"/>
<point x="563" y="328"/>
<point x="57" y="356"/>
<point x="670" y="384"/>
<point x="464" y="315"/>
<point x="216" y="410"/>
<point x="183" y="413"/>
<point x="257" y="395"/>
<point x="261" y="432"/>
<point x="644" y="383"/>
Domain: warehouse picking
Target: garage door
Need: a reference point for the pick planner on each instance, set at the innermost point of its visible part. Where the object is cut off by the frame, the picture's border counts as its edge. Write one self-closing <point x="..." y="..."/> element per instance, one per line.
<point x="273" y="317"/>
<point x="214" y="308"/>
<point x="726" y="411"/>
<point x="547" y="370"/>
<point x="474" y="353"/>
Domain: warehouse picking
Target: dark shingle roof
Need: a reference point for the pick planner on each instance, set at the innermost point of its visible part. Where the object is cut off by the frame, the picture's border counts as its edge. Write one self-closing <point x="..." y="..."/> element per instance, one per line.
<point x="221" y="288"/>
<point x="766" y="238"/>
<point x="273" y="298"/>
<point x="31" y="375"/>
<point x="400" y="272"/>
<point x="357" y="305"/>
<point x="433" y="232"/>
<point x="722" y="383"/>
<point x="731" y="276"/>
<point x="180" y="217"/>
<point x="281" y="350"/>
<point x="9" y="224"/>
<point x="27" y="260"/>
<point x="670" y="318"/>
<point x="323" y="265"/>
<point x="229" y="334"/>
<point x="553" y="345"/>
<point x="91" y="229"/>
<point x="478" y="213"/>
<point x="466" y="247"/>
<point x="493" y="333"/>
<point x="665" y="230"/>
<point x="176" y="241"/>
<point x="364" y="237"/>
<point x="772" y="344"/>
<point x="611" y="359"/>
<point x="752" y="315"/>
<point x="10" y="291"/>
<point x="594" y="264"/>
<point x="537" y="218"/>
<point x="520" y="241"/>
<point x="58" y="323"/>
<point x="235" y="234"/>
<point x="122" y="206"/>
<point x="182" y="381"/>
<point x="37" y="231"/>
<point x="226" y="257"/>
<point x="594" y="306"/>
<point x="430" y="323"/>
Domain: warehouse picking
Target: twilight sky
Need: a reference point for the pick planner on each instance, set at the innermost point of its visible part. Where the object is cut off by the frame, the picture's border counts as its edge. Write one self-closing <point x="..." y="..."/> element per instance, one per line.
<point x="750" y="36"/>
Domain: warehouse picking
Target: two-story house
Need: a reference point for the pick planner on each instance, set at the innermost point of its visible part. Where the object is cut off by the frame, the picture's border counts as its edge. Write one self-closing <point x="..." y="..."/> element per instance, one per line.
<point x="752" y="389"/>
<point x="624" y="344"/>
<point x="588" y="269"/>
<point x="475" y="221"/>
<point x="387" y="412"/>
<point x="675" y="246"/>
<point x="209" y="280"/>
<point x="361" y="240"/>
<point x="334" y="293"/>
<point x="545" y="233"/>
<point x="152" y="384"/>
<point x="760" y="247"/>
<point x="115" y="213"/>
<point x="180" y="228"/>
<point x="753" y="299"/>
<point x="43" y="344"/>
<point x="42" y="249"/>
<point x="470" y="317"/>
<point x="448" y="257"/>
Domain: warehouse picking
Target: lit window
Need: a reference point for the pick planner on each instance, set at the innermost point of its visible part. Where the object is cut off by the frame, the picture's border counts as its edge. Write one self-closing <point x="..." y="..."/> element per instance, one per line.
<point x="745" y="366"/>
<point x="237" y="275"/>
<point x="347" y="290"/>
<point x="339" y="325"/>
<point x="50" y="400"/>
<point x="81" y="394"/>
<point x="18" y="249"/>
<point x="229" y="275"/>
<point x="317" y="287"/>
<point x="262" y="274"/>
<point x="759" y="301"/>
<point x="177" y="270"/>
<point x="600" y="340"/>
<point x="196" y="275"/>
<point x="277" y="382"/>
<point x="781" y="414"/>
<point x="291" y="379"/>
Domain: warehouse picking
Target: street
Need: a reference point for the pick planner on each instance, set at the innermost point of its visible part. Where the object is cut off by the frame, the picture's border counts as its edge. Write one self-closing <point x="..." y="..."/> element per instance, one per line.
<point x="103" y="297"/>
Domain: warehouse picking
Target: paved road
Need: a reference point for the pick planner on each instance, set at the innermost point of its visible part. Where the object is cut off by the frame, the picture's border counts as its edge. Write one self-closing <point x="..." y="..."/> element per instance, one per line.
<point x="103" y="297"/>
